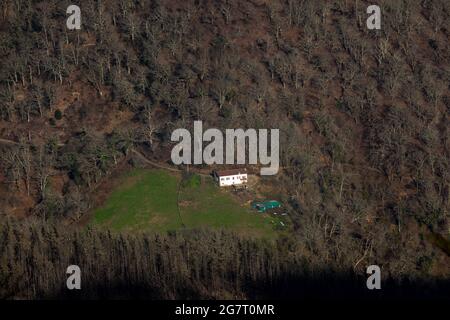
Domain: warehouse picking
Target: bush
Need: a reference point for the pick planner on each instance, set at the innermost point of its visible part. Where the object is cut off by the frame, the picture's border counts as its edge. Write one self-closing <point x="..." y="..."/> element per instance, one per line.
<point x="58" y="114"/>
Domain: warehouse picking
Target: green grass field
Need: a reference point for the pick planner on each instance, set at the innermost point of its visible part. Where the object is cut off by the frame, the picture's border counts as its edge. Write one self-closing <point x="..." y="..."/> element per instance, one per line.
<point x="154" y="200"/>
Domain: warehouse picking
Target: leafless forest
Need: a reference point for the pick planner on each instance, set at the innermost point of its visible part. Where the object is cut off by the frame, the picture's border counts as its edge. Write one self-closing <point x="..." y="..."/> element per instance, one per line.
<point x="365" y="142"/>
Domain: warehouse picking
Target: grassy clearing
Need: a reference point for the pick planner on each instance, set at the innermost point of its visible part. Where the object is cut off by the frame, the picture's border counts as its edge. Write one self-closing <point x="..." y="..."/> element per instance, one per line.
<point x="147" y="201"/>
<point x="207" y="205"/>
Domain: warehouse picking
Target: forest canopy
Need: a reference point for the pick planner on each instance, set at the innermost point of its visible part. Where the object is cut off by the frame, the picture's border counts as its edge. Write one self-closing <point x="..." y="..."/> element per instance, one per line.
<point x="363" y="118"/>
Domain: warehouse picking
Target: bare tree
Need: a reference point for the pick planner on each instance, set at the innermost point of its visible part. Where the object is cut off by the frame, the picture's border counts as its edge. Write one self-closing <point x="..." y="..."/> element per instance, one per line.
<point x="43" y="165"/>
<point x="25" y="160"/>
<point x="151" y="126"/>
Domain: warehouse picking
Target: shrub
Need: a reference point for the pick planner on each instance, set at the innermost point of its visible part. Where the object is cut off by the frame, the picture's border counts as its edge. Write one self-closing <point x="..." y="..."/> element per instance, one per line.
<point x="58" y="114"/>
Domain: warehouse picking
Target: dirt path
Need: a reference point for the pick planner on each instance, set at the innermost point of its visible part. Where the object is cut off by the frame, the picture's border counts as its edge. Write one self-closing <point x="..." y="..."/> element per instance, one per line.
<point x="158" y="165"/>
<point x="8" y="142"/>
<point x="14" y="143"/>
<point x="153" y="163"/>
<point x="141" y="155"/>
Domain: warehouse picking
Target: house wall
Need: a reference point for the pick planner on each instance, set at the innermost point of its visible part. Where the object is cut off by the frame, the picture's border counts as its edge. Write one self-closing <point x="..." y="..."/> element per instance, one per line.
<point x="232" y="180"/>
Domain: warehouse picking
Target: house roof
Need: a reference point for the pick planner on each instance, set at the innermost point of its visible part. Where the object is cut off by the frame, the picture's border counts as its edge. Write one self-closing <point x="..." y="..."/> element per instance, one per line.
<point x="231" y="172"/>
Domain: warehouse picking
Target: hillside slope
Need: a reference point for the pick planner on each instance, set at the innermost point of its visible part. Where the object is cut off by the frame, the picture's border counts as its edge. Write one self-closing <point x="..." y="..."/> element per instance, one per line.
<point x="363" y="115"/>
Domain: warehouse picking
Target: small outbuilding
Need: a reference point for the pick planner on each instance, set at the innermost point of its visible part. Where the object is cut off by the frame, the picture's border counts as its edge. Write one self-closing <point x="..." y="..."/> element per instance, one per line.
<point x="263" y="206"/>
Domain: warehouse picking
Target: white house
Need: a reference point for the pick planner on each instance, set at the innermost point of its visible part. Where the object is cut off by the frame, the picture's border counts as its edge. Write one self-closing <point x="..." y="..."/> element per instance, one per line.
<point x="231" y="177"/>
